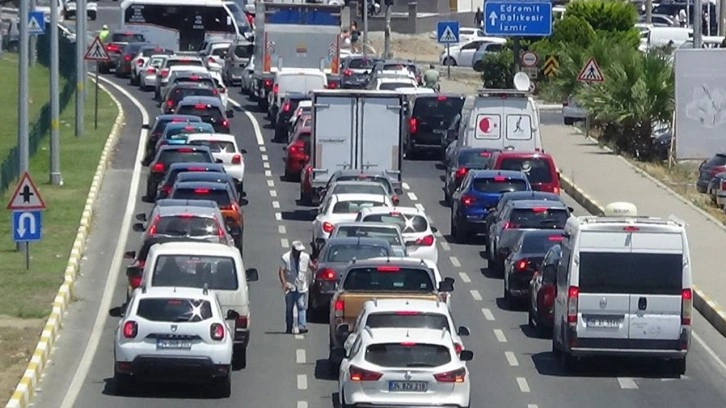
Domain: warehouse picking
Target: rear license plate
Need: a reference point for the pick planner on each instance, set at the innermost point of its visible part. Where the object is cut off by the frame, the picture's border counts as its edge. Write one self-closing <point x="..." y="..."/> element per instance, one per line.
<point x="170" y="344"/>
<point x="438" y="131"/>
<point x="603" y="323"/>
<point x="407" y="386"/>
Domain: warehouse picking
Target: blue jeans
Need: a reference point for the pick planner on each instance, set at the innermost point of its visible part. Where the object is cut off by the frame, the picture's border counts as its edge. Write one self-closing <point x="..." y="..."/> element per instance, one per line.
<point x="293" y="299"/>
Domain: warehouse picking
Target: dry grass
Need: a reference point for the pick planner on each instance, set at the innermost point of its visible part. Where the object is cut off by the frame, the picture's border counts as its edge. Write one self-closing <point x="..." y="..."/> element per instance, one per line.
<point x="18" y="338"/>
<point x="416" y="47"/>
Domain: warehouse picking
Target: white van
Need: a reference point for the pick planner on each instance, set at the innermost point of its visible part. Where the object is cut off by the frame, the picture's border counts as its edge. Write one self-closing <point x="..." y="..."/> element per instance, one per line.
<point x="662" y="36"/>
<point x="295" y="81"/>
<point x="623" y="288"/>
<point x="503" y="120"/>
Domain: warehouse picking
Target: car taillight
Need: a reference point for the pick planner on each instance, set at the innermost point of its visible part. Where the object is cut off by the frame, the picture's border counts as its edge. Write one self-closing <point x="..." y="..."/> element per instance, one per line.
<point x="686" y="306"/>
<point x="127" y="58"/>
<point x="573" y="293"/>
<point x="326" y="274"/>
<point x="359" y="374"/>
<point x="456" y="376"/>
<point x="158" y="168"/>
<point x="170" y="103"/>
<point x="134" y="281"/>
<point x="507" y="225"/>
<point x="521" y="265"/>
<point x="347" y="72"/>
<point x="153" y="226"/>
<point x="225" y="123"/>
<point x="412" y="125"/>
<point x="458" y="348"/>
<point x="276" y="89"/>
<point x="428" y="240"/>
<point x="460" y="173"/>
<point x="130" y="329"/>
<point x="237" y="159"/>
<point x="286" y="106"/>
<point x="165" y="72"/>
<point x="332" y="85"/>
<point x="216" y="331"/>
<point x="150" y="71"/>
<point x="166" y="190"/>
<point x="467" y="201"/>
<point x="723" y="184"/>
<point x="211" y="60"/>
<point x="220" y="90"/>
<point x="267" y="84"/>
<point x="140" y="62"/>
<point x="716" y="170"/>
<point x="339" y="308"/>
<point x="328" y="227"/>
<point x="242" y="322"/>
<point x="395" y="200"/>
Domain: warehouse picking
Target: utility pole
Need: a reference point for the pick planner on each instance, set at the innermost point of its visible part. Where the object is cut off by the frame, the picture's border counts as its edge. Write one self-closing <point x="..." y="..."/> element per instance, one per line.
<point x="649" y="12"/>
<point x="387" y="33"/>
<point x="33" y="39"/>
<point x="80" y="65"/>
<point x="722" y="17"/>
<point x="697" y="24"/>
<point x="365" y="28"/>
<point x="55" y="175"/>
<point x="23" y="124"/>
<point x="83" y="12"/>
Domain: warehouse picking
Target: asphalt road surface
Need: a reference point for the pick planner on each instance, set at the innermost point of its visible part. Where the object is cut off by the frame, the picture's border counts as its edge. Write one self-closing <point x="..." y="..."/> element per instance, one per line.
<point x="511" y="367"/>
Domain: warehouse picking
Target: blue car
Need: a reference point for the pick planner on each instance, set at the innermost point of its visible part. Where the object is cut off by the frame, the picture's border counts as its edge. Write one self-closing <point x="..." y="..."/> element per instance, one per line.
<point x="478" y="193"/>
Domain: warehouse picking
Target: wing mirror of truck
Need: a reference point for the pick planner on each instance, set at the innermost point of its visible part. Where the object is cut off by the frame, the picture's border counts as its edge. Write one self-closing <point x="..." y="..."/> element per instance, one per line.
<point x="232" y="315"/>
<point x="466" y="355"/>
<point x="342" y="331"/>
<point x="117" y="311"/>
<point x="463" y="331"/>
<point x="446" y="285"/>
<point x="140" y="217"/>
<point x="243" y="151"/>
<point x="138" y="227"/>
<point x="434" y="230"/>
<point x="252" y="275"/>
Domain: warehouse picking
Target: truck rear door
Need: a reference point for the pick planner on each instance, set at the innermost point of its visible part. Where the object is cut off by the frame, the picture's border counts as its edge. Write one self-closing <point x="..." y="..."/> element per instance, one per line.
<point x="379" y="137"/>
<point x="334" y="124"/>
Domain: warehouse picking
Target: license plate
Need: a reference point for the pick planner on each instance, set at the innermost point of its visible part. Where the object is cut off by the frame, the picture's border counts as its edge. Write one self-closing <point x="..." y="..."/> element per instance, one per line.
<point x="170" y="344"/>
<point x="438" y="132"/>
<point x="407" y="386"/>
<point x="601" y="323"/>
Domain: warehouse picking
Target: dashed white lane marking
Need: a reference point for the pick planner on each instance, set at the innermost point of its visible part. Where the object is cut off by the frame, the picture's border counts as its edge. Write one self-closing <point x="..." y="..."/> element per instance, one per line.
<point x="281" y="229"/>
<point x="266" y="165"/>
<point x="405" y="186"/>
<point x="412" y="196"/>
<point x="270" y="183"/>
<point x="284" y="243"/>
<point x="500" y="336"/>
<point x="420" y="207"/>
<point x="263" y="149"/>
<point x="300" y="356"/>
<point x="273" y="193"/>
<point x="487" y="314"/>
<point x="278" y="216"/>
<point x="268" y="173"/>
<point x="275" y="204"/>
<point x="455" y="261"/>
<point x="475" y="294"/>
<point x="299" y="336"/>
<point x="528" y="406"/>
<point x="444" y="245"/>
<point x="511" y="359"/>
<point x="627" y="383"/>
<point x="522" y="382"/>
<point x="302" y="404"/>
<point x="265" y="158"/>
<point x="302" y="382"/>
<point x="464" y="277"/>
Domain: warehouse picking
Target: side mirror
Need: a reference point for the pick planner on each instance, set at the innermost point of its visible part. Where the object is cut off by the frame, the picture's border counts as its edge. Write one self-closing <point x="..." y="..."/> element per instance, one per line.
<point x="446" y="285"/>
<point x="466" y="355"/>
<point x="434" y="229"/>
<point x="243" y="151"/>
<point x="491" y="209"/>
<point x="139" y="227"/>
<point x="395" y="200"/>
<point x="230" y="113"/>
<point x="342" y="331"/>
<point x="252" y="275"/>
<point x="117" y="311"/>
<point x="320" y="242"/>
<point x="140" y="217"/>
<point x="133" y="271"/>
<point x="130" y="254"/>
<point x="218" y="161"/>
<point x="145" y="126"/>
<point x="398" y="190"/>
<point x="463" y="331"/>
<point x="232" y="315"/>
<point x="570" y="209"/>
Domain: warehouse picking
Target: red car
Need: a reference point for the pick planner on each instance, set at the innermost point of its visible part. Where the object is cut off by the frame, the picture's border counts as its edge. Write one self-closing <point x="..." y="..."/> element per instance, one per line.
<point x="542" y="292"/>
<point x="297" y="153"/>
<point x="539" y="167"/>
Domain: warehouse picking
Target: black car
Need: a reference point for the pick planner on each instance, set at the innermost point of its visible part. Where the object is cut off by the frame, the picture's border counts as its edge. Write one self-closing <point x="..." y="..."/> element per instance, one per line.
<point x="708" y="170"/>
<point x="430" y="118"/>
<point x="282" y="122"/>
<point x="165" y="157"/>
<point x="465" y="159"/>
<point x="123" y="66"/>
<point x="211" y="177"/>
<point x="355" y="71"/>
<point x="516" y="196"/>
<point x="209" y="109"/>
<point x="526" y="255"/>
<point x="192" y="76"/>
<point x="175" y="169"/>
<point x="181" y="90"/>
<point x="157" y="129"/>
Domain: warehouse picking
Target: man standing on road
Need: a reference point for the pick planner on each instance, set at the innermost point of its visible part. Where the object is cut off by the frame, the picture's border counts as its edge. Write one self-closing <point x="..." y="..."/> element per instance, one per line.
<point x="478" y="17"/>
<point x="294" y="274"/>
<point x="431" y="77"/>
<point x="103" y="34"/>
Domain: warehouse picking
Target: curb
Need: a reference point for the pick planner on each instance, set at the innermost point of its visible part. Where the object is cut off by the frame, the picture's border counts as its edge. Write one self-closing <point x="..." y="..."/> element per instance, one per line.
<point x="25" y="389"/>
<point x="703" y="304"/>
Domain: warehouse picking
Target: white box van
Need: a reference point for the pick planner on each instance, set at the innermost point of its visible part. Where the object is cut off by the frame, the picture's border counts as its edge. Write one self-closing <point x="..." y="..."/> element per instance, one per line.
<point x="623" y="288"/>
<point x="502" y="119"/>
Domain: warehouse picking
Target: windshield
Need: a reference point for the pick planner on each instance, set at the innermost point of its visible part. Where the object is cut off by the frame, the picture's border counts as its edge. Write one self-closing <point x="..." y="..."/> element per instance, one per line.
<point x="170" y="132"/>
<point x="407" y="355"/>
<point x="221" y="197"/>
<point x="390" y="86"/>
<point x="407" y="223"/>
<point x="346" y="253"/>
<point x="407" y="320"/>
<point x="217" y="272"/>
<point x="537" y="169"/>
<point x="189" y="62"/>
<point x="361" y="63"/>
<point x="389" y="279"/>
<point x="353" y="206"/>
<point x="181" y="93"/>
<point x="474" y="158"/>
<point x="494" y="185"/>
<point x="174" y="310"/>
<point x="208" y="114"/>
<point x="389" y="234"/>
<point x="538" y="217"/>
<point x="439" y="108"/>
<point x="177" y="156"/>
<point x="180" y="225"/>
<point x="127" y="37"/>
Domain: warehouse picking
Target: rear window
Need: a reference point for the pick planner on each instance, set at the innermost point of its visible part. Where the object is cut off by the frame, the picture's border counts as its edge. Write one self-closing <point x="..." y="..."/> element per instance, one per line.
<point x="176" y="156"/>
<point x="474" y="158"/>
<point x="540" y="218"/>
<point x="442" y="108"/>
<point x="217" y="272"/>
<point x="361" y="63"/>
<point x="389" y="234"/>
<point x="243" y="51"/>
<point x="181" y="93"/>
<point x="346" y="253"/>
<point x="407" y="223"/>
<point x="407" y="320"/>
<point x="206" y="112"/>
<point x="384" y="181"/>
<point x="300" y="83"/>
<point x="127" y="37"/>
<point x="174" y="132"/>
<point x="540" y="243"/>
<point x="493" y="185"/>
<point x="538" y="170"/>
<point x="197" y="80"/>
<point x="180" y="226"/>
<point x="353" y="206"/>
<point x="390" y="86"/>
<point x="147" y="52"/>
<point x="358" y="189"/>
<point x="189" y="62"/>
<point x="605" y="272"/>
<point x="221" y="197"/>
<point x="393" y="67"/>
<point x="390" y="279"/>
<point x="174" y="310"/>
<point x="407" y="355"/>
<point x="216" y="146"/>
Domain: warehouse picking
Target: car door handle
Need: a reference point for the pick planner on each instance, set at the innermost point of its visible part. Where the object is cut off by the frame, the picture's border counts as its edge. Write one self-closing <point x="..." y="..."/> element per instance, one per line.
<point x="642" y="303"/>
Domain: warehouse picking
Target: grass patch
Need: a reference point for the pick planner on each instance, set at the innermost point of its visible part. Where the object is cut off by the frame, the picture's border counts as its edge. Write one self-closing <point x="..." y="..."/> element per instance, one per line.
<point x="26" y="295"/>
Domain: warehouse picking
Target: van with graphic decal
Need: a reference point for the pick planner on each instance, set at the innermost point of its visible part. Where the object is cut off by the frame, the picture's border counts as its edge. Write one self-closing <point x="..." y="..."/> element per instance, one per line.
<point x="623" y="288"/>
<point x="502" y="119"/>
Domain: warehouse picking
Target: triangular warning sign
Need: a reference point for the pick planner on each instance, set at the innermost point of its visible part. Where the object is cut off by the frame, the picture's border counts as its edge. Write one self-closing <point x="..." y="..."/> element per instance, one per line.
<point x="26" y="195"/>
<point x="591" y="72"/>
<point x="448" y="36"/>
<point x="96" y="52"/>
<point x="34" y="26"/>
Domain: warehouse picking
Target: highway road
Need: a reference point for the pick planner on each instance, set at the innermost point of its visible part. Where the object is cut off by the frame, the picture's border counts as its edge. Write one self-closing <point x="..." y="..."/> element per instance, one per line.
<point x="511" y="367"/>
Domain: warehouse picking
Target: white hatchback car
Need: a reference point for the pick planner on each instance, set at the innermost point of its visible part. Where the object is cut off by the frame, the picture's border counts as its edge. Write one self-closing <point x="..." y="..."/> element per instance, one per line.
<point x="343" y="208"/>
<point x="404" y="367"/>
<point x="224" y="148"/>
<point x="414" y="225"/>
<point x="173" y="334"/>
<point x="148" y="73"/>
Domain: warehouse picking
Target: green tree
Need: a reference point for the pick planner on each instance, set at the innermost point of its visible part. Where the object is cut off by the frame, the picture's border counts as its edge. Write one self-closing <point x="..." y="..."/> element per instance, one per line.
<point x="572" y="31"/>
<point x="497" y="72"/>
<point x="604" y="15"/>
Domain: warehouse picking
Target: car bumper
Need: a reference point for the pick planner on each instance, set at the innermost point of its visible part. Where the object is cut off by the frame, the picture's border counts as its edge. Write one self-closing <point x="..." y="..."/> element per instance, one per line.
<point x="321" y="294"/>
<point x="173" y="368"/>
<point x="519" y="284"/>
<point x="358" y="396"/>
<point x="429" y="253"/>
<point x="237" y="171"/>
<point x="721" y="199"/>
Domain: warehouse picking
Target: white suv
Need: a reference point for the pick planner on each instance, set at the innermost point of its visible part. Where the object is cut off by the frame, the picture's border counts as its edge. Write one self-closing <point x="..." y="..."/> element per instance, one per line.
<point x="172" y="334"/>
<point x="414" y="225"/>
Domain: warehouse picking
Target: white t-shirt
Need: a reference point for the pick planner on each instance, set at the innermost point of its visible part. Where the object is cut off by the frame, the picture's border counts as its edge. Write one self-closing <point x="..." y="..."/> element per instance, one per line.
<point x="297" y="279"/>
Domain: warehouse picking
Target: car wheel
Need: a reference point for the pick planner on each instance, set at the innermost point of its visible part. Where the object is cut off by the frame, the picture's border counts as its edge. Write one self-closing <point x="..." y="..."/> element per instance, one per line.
<point x="454" y="230"/>
<point x="479" y="66"/>
<point x="122" y="383"/>
<point x="507" y="297"/>
<point x="679" y="366"/>
<point x="447" y="196"/>
<point x="223" y="386"/>
<point x="343" y="403"/>
<point x="569" y="121"/>
<point x="239" y="358"/>
<point x="450" y="61"/>
<point x="530" y="318"/>
<point x="568" y="361"/>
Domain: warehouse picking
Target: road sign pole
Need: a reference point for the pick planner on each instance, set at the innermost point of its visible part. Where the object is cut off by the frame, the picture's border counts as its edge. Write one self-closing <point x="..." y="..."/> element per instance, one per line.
<point x="515" y="51"/>
<point x="448" y="55"/>
<point x="55" y="175"/>
<point x="27" y="255"/>
<point x="23" y="89"/>
<point x="365" y="28"/>
<point x="80" y="84"/>
<point x="95" y="102"/>
<point x="33" y="40"/>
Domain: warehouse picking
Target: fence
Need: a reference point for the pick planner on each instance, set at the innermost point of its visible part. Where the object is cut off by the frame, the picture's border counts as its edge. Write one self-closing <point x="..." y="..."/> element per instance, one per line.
<point x="40" y="127"/>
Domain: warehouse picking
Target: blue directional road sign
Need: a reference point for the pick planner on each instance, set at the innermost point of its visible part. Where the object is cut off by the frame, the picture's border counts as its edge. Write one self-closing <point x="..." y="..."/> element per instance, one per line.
<point x="447" y="32"/>
<point x="36" y="23"/>
<point x="518" y="19"/>
<point x="27" y="226"/>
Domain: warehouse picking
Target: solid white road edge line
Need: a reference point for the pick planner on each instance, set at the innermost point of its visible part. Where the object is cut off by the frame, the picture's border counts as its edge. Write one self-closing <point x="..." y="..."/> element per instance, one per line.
<point x="87" y="359"/>
<point x="709" y="350"/>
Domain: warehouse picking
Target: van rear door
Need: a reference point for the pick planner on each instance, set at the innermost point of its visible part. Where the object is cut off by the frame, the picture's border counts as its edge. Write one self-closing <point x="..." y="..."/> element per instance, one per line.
<point x="379" y="138"/>
<point x="603" y="305"/>
<point x="333" y="130"/>
<point x="655" y="281"/>
<point x="520" y="125"/>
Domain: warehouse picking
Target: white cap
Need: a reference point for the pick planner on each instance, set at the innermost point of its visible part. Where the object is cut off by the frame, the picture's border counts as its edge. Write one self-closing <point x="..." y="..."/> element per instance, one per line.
<point x="297" y="245"/>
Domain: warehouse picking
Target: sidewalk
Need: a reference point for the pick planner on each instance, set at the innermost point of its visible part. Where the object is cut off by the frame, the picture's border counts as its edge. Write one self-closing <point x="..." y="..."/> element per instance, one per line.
<point x="590" y="173"/>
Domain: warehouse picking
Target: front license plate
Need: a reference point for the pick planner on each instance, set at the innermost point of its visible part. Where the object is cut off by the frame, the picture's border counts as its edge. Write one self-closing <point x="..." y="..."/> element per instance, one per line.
<point x="603" y="323"/>
<point x="407" y="386"/>
<point x="169" y="344"/>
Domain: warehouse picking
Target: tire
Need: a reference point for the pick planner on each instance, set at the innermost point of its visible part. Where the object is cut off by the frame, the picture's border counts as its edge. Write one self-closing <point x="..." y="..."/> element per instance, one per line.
<point x="157" y="94"/>
<point x="222" y="387"/>
<point x="239" y="358"/>
<point x="569" y="121"/>
<point x="530" y="319"/>
<point x="450" y="61"/>
<point x="568" y="362"/>
<point x="454" y="231"/>
<point x="679" y="366"/>
<point x="122" y="383"/>
<point x="507" y="303"/>
<point x="344" y="404"/>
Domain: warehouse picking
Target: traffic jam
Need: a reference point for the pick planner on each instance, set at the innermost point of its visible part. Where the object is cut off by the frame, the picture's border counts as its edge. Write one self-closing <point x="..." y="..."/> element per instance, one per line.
<point x="370" y="268"/>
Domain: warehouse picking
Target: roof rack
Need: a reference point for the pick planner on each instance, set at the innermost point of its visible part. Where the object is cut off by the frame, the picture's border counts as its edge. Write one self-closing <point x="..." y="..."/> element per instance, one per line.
<point x="640" y="219"/>
<point x="500" y="92"/>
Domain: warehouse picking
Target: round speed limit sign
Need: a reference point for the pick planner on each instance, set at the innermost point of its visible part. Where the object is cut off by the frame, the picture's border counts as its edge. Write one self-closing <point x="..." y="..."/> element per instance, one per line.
<point x="529" y="59"/>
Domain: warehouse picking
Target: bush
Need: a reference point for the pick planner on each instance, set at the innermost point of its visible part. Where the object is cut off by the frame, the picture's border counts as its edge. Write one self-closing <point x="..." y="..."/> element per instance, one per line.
<point x="497" y="71"/>
<point x="606" y="15"/>
<point x="572" y="30"/>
